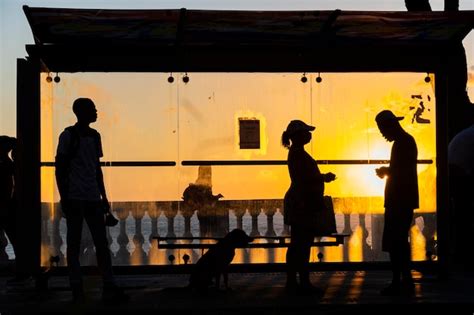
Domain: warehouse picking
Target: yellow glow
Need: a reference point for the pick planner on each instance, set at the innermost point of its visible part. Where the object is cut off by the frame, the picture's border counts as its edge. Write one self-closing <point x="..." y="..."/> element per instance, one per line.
<point x="418" y="244"/>
<point x="355" y="245"/>
<point x="334" y="254"/>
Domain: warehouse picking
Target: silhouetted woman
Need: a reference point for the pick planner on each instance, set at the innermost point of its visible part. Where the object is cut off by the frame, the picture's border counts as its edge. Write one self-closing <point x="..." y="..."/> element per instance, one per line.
<point x="302" y="200"/>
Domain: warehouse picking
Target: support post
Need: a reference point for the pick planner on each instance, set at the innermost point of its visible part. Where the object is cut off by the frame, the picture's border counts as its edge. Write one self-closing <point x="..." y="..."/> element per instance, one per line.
<point x="442" y="183"/>
<point x="27" y="166"/>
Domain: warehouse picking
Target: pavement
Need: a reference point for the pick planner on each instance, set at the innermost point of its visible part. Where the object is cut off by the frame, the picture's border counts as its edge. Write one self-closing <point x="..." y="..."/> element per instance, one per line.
<point x="262" y="292"/>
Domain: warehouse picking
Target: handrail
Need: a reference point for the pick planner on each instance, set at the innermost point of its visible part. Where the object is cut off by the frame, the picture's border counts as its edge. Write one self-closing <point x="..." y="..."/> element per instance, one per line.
<point x="125" y="163"/>
<point x="284" y="162"/>
<point x="233" y="163"/>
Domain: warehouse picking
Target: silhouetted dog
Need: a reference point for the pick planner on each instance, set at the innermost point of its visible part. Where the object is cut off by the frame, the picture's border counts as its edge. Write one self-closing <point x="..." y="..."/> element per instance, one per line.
<point x="217" y="260"/>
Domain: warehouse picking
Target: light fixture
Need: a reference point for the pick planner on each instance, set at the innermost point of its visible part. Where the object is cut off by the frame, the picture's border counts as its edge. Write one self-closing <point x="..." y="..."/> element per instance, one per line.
<point x="170" y="78"/>
<point x="304" y="79"/>
<point x="49" y="79"/>
<point x="185" y="78"/>
<point x="57" y="79"/>
<point x="427" y="78"/>
<point x="318" y="78"/>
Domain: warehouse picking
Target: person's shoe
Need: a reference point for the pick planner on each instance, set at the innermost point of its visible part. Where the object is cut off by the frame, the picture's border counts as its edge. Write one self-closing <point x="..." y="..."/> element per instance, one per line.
<point x="391" y="290"/>
<point x="114" y="294"/>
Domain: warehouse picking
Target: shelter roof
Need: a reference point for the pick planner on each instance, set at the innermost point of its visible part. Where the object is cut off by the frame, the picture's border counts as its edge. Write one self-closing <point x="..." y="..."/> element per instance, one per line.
<point x="205" y="40"/>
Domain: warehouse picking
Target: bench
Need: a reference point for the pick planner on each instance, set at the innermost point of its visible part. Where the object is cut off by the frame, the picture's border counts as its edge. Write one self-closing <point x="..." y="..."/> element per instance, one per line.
<point x="271" y="242"/>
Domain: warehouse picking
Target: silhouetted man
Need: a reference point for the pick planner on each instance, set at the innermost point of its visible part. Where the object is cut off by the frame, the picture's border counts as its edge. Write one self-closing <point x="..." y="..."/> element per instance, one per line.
<point x="401" y="198"/>
<point x="82" y="190"/>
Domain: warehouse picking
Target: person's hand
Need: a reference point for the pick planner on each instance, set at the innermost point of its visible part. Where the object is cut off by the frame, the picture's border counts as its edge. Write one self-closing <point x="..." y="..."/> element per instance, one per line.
<point x="105" y="205"/>
<point x="329" y="177"/>
<point x="382" y="171"/>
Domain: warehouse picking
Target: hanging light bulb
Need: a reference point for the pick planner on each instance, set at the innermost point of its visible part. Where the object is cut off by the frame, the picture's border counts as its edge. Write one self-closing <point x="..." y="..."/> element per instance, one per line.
<point x="185" y="78"/>
<point x="427" y="78"/>
<point x="170" y="78"/>
<point x="49" y="79"/>
<point x="304" y="79"/>
<point x="318" y="78"/>
<point x="57" y="79"/>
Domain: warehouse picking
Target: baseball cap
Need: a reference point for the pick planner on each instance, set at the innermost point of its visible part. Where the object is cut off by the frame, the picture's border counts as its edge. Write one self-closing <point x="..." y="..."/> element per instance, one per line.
<point x="386" y="116"/>
<point x="297" y="125"/>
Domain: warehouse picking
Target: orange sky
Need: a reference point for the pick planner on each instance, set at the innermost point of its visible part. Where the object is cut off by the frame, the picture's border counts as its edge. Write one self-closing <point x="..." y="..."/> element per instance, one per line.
<point x="199" y="121"/>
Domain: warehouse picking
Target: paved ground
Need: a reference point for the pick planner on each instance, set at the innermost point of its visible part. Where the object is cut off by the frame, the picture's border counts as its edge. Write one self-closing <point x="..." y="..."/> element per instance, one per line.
<point x="344" y="291"/>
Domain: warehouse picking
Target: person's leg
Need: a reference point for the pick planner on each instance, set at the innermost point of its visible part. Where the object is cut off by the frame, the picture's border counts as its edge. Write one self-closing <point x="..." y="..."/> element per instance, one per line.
<point x="95" y="220"/>
<point x="94" y="216"/>
<point x="73" y="239"/>
<point x="405" y="249"/>
<point x="291" y="264"/>
<point x="395" y="261"/>
<point x="305" y="252"/>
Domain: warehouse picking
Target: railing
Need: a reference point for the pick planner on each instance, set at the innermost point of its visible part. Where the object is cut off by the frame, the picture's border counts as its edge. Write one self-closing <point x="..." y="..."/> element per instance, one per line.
<point x="131" y="241"/>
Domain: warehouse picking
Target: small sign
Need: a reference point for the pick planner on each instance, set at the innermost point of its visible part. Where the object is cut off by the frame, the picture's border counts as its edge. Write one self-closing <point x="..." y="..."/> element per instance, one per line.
<point x="249" y="133"/>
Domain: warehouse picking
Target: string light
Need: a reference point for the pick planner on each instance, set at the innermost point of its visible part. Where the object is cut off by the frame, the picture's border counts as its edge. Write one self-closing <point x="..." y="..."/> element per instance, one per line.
<point x="170" y="78"/>
<point x="318" y="78"/>
<point x="304" y="79"/>
<point x="186" y="78"/>
<point x="57" y="79"/>
<point x="49" y="79"/>
<point x="427" y="78"/>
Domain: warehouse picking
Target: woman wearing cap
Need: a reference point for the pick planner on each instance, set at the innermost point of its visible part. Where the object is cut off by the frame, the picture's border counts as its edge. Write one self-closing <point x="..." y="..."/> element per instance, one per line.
<point x="304" y="197"/>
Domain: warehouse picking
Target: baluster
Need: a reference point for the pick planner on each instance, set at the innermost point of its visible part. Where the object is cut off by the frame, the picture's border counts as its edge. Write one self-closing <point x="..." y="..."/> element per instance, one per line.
<point x="154" y="212"/>
<point x="122" y="257"/>
<point x="347" y="230"/>
<point x="254" y="213"/>
<point x="377" y="232"/>
<point x="138" y="254"/>
<point x="239" y="214"/>
<point x="270" y="212"/>
<point x="170" y="214"/>
<point x="366" y="249"/>
<point x="187" y="213"/>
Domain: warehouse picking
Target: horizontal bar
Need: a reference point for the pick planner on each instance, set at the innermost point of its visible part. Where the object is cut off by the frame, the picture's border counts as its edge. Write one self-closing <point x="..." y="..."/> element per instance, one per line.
<point x="125" y="163"/>
<point x="234" y="163"/>
<point x="257" y="245"/>
<point x="159" y="238"/>
<point x="284" y="162"/>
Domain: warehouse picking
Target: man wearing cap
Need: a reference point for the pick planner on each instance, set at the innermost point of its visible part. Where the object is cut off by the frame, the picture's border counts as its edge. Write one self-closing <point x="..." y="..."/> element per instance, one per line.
<point x="401" y="198"/>
<point x="302" y="201"/>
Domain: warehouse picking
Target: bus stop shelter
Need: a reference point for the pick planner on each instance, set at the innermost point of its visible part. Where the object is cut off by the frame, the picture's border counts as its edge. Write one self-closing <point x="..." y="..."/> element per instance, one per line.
<point x="93" y="40"/>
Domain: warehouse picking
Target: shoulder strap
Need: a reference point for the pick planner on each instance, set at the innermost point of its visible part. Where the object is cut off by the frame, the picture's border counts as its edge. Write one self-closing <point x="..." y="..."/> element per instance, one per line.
<point x="74" y="141"/>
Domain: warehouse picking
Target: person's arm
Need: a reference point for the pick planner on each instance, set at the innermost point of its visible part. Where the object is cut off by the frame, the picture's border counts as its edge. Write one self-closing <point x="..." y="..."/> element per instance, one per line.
<point x="62" y="162"/>
<point x="100" y="178"/>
